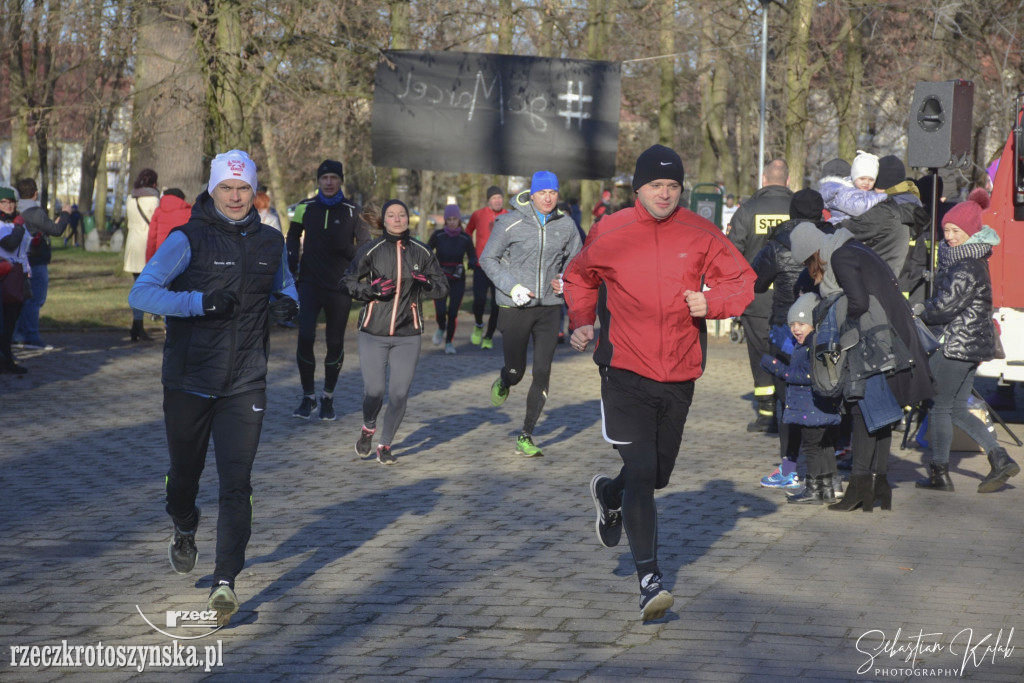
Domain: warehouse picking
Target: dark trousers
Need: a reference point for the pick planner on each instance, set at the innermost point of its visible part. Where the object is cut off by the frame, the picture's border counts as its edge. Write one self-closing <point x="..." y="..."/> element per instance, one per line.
<point x="818" y="445"/>
<point x="447" y="309"/>
<point x="955" y="380"/>
<point x="336" y="306"/>
<point x="756" y="332"/>
<point x="235" y="423"/>
<point x="483" y="290"/>
<point x="870" y="451"/>
<point x="8" y="320"/>
<point x="644" y="419"/>
<point x="518" y="326"/>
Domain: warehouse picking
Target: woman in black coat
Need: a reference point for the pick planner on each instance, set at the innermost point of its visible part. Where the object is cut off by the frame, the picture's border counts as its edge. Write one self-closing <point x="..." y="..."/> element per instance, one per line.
<point x="839" y="263"/>
<point x="961" y="313"/>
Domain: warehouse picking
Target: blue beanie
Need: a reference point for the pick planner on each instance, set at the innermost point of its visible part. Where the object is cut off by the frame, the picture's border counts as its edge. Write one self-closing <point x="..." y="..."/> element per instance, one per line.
<point x="543" y="180"/>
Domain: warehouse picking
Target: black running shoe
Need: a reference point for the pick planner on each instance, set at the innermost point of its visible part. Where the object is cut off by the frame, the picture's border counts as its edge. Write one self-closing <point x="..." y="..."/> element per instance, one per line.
<point x="327" y="408"/>
<point x="182" y="551"/>
<point x="609" y="522"/>
<point x="223" y="601"/>
<point x="384" y="456"/>
<point x="654" y="599"/>
<point x="305" y="408"/>
<point x="364" y="444"/>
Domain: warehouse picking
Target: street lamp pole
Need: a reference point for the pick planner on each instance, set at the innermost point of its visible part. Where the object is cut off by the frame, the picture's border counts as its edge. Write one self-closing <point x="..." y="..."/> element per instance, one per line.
<point x="764" y="80"/>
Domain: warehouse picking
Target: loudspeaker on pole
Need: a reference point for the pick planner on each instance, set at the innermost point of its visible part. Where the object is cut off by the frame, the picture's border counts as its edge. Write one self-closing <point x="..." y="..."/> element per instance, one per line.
<point x="941" y="119"/>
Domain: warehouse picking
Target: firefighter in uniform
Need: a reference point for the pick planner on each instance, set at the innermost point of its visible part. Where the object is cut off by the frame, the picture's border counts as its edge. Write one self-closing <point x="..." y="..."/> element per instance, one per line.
<point x="749" y="230"/>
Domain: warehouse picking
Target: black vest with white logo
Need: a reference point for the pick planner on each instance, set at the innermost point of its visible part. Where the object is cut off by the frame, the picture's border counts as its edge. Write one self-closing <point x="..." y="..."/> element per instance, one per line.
<point x="222" y="357"/>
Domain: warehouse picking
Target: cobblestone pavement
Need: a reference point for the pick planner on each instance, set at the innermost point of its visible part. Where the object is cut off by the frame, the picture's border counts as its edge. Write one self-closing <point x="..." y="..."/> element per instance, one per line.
<point x="467" y="561"/>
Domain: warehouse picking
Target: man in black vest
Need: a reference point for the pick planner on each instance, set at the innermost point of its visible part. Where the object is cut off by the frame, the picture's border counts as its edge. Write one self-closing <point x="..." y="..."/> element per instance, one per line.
<point x="213" y="279"/>
<point x="749" y="230"/>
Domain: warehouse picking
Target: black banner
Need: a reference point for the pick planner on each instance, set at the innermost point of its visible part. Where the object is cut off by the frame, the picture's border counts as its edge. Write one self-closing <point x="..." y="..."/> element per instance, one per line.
<point x="483" y="113"/>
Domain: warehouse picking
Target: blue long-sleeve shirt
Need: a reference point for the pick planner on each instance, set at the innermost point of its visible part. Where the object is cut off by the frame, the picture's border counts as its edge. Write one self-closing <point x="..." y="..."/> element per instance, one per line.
<point x="151" y="293"/>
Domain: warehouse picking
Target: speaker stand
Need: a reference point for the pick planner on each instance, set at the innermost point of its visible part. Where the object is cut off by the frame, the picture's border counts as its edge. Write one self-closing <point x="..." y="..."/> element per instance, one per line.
<point x="995" y="417"/>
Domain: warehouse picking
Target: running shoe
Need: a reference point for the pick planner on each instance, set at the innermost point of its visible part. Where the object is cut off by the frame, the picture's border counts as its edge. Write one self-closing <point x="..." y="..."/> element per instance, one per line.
<point x="327" y="408"/>
<point x="789" y="482"/>
<point x="438" y="338"/>
<point x="499" y="392"/>
<point x="305" y="408"/>
<point x="487" y="343"/>
<point x="36" y="346"/>
<point x="364" y="446"/>
<point x="525" y="445"/>
<point x="477" y="336"/>
<point x="449" y="349"/>
<point x="654" y="599"/>
<point x="773" y="479"/>
<point x="384" y="456"/>
<point x="609" y="522"/>
<point x="223" y="601"/>
<point x="182" y="551"/>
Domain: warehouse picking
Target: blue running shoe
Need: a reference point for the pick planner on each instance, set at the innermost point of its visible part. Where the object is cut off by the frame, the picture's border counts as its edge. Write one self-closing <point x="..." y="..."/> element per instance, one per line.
<point x="774" y="479"/>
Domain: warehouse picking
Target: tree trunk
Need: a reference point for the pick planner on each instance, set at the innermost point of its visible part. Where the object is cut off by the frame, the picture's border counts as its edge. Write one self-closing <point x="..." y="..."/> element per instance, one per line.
<point x="273" y="168"/>
<point x="169" y="117"/>
<point x="798" y="79"/>
<point x="590" y="190"/>
<point x="401" y="39"/>
<point x="100" y="199"/>
<point x="667" y="80"/>
<point x="849" y="95"/>
<point x="231" y="129"/>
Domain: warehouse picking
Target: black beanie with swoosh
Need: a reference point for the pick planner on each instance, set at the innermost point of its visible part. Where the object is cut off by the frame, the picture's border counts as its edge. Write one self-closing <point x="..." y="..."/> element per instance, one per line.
<point x="657" y="163"/>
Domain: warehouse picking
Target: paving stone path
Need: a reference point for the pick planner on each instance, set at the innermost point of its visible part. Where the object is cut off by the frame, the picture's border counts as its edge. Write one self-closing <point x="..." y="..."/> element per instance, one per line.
<point x="466" y="561"/>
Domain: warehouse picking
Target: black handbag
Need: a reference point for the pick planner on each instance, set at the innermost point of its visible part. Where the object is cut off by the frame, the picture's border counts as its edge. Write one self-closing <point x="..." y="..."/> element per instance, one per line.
<point x="929" y="341"/>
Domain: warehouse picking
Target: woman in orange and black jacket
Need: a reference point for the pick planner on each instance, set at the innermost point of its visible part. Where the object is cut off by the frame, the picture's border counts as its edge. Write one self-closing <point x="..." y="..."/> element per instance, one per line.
<point x="392" y="274"/>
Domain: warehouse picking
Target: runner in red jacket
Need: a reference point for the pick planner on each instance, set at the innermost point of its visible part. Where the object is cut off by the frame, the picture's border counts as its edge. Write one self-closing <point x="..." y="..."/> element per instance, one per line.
<point x="652" y="260"/>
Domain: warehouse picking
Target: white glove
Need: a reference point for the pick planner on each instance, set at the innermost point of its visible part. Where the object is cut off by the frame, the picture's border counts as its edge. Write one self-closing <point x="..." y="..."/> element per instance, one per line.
<point x="521" y="295"/>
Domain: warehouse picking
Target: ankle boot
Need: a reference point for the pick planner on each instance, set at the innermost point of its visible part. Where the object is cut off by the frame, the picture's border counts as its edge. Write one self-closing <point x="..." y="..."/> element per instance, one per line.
<point x="1003" y="467"/>
<point x="938" y="479"/>
<point x="860" y="493"/>
<point x="811" y="493"/>
<point x="138" y="332"/>
<point x="882" y="491"/>
<point x="828" y="491"/>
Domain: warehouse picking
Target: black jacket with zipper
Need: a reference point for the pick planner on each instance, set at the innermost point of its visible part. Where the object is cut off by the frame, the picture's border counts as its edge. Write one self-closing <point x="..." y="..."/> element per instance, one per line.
<point x="396" y="258"/>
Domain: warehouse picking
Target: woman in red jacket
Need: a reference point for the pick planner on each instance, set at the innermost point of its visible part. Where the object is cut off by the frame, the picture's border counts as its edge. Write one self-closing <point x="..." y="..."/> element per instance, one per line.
<point x="172" y="212"/>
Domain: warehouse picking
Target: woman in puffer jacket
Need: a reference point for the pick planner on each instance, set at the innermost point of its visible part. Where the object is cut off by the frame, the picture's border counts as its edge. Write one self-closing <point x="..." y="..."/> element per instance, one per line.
<point x="960" y="312"/>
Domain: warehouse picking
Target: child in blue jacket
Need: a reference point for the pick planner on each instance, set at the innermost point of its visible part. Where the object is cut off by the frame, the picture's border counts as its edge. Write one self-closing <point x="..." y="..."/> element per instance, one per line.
<point x="816" y="416"/>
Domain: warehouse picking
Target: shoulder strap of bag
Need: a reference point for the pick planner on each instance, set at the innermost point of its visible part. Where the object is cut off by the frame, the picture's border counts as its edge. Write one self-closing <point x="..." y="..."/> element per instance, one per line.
<point x="139" y="207"/>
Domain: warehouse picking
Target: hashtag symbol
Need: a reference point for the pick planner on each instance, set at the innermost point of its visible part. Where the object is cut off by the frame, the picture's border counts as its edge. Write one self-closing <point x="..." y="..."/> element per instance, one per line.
<point x="574" y="103"/>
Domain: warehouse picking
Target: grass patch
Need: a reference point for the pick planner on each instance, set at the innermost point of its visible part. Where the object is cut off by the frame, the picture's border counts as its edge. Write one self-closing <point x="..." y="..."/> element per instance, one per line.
<point x="87" y="290"/>
<point x="90" y="290"/>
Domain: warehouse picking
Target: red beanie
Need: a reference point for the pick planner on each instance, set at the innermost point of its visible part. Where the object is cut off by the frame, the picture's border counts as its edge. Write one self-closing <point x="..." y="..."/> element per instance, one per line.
<point x="967" y="215"/>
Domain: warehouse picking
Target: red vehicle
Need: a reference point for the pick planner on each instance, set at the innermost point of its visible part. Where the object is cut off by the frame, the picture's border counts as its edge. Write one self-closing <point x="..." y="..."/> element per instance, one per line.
<point x="1005" y="215"/>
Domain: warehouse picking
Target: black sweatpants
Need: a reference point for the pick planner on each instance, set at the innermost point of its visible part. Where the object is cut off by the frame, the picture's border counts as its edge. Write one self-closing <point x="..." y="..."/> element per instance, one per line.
<point x="235" y="423"/>
<point x="483" y="289"/>
<point x="336" y="306"/>
<point x="447" y="309"/>
<point x="644" y="419"/>
<point x="517" y="326"/>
